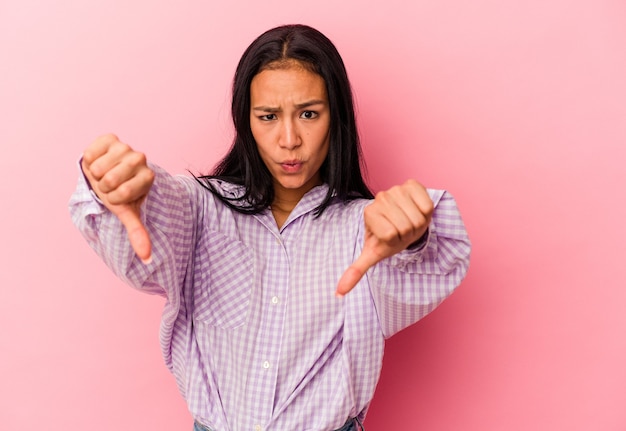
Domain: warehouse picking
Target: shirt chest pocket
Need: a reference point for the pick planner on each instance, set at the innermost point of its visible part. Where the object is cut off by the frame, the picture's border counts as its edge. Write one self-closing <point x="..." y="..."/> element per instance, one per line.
<point x="226" y="278"/>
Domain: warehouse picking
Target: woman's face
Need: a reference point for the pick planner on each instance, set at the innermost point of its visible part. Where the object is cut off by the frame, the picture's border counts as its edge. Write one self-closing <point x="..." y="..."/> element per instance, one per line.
<point x="290" y="122"/>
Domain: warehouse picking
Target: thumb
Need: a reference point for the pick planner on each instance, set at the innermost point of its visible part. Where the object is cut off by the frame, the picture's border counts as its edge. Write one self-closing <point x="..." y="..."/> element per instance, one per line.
<point x="137" y="233"/>
<point x="356" y="271"/>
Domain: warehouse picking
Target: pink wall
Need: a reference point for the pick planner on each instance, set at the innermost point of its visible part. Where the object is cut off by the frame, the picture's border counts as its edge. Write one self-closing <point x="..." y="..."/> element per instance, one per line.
<point x="517" y="107"/>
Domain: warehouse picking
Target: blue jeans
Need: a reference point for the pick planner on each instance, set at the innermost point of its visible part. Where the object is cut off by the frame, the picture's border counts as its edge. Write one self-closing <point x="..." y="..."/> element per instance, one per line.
<point x="351" y="425"/>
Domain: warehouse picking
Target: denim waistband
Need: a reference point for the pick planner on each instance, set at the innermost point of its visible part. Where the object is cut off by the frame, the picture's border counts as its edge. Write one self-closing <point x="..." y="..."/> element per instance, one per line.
<point x="353" y="424"/>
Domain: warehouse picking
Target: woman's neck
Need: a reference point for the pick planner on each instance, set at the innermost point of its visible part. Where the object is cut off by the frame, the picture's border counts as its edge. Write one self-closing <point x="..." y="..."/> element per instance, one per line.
<point x="286" y="199"/>
<point x="281" y="208"/>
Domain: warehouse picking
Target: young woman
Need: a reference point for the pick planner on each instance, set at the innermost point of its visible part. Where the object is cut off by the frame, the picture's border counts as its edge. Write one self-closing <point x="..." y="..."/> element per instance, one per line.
<point x="256" y="260"/>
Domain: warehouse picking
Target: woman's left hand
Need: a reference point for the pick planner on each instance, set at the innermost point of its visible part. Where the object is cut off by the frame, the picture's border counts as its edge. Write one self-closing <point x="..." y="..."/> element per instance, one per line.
<point x="395" y="219"/>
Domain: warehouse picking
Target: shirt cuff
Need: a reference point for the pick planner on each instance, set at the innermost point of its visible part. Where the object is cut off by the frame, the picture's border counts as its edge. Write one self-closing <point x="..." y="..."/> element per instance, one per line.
<point x="87" y="183"/>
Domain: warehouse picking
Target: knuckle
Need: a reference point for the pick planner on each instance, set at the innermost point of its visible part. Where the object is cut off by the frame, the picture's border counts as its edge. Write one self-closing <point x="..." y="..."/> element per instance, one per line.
<point x="95" y="171"/>
<point x="106" y="139"/>
<point x="388" y="235"/>
<point x="429" y="207"/>
<point x="395" y="190"/>
<point x="91" y="170"/>
<point x="88" y="156"/>
<point x="382" y="196"/>
<point x="419" y="219"/>
<point x="110" y="137"/>
<point x="113" y="198"/>
<point x="136" y="158"/>
<point x="149" y="173"/>
<point x="109" y="181"/>
<point x="124" y="193"/>
<point x="408" y="232"/>
<point x="120" y="147"/>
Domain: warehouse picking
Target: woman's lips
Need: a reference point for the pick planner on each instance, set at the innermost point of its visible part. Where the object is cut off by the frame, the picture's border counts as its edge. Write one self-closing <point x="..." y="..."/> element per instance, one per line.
<point x="291" y="166"/>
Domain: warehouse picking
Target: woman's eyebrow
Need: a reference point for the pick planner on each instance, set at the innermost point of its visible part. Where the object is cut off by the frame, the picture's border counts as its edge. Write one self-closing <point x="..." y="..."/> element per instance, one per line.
<point x="302" y="105"/>
<point x="310" y="103"/>
<point x="266" y="109"/>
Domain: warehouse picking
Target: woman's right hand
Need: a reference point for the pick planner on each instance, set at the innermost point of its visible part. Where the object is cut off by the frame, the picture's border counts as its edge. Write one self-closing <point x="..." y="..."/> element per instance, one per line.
<point x="121" y="178"/>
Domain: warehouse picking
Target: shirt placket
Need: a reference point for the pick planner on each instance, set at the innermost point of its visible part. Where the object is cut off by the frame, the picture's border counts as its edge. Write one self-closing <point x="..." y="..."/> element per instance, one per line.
<point x="267" y="353"/>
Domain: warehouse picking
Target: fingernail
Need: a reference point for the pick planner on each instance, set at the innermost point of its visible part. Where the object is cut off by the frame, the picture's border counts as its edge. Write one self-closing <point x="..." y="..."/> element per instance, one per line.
<point x="338" y="295"/>
<point x="147" y="261"/>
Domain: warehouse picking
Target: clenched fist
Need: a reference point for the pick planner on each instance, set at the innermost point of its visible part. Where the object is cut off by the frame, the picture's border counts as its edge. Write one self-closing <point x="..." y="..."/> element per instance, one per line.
<point x="394" y="220"/>
<point x="121" y="178"/>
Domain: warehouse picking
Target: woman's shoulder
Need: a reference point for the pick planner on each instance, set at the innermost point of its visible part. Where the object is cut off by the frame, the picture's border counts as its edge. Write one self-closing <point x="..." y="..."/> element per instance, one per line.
<point x="347" y="208"/>
<point x="223" y="188"/>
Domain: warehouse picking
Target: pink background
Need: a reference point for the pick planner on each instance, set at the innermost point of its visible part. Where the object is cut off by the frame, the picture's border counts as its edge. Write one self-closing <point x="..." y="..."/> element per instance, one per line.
<point x="517" y="107"/>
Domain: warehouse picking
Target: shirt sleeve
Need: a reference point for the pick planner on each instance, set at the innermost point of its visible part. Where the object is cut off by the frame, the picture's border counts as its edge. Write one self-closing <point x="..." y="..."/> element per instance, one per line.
<point x="410" y="284"/>
<point x="170" y="216"/>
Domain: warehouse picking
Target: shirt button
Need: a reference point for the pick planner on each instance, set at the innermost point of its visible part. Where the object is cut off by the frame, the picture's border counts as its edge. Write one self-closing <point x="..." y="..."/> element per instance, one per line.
<point x="277" y="241"/>
<point x="258" y="427"/>
<point x="275" y="300"/>
<point x="266" y="365"/>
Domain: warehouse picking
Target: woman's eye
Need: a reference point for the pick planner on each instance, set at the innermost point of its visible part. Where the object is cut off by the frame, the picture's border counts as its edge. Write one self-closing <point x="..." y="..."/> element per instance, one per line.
<point x="268" y="117"/>
<point x="308" y="115"/>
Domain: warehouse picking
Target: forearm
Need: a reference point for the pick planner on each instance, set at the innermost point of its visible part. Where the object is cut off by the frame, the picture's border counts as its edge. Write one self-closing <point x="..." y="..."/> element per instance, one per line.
<point x="167" y="213"/>
<point x="410" y="284"/>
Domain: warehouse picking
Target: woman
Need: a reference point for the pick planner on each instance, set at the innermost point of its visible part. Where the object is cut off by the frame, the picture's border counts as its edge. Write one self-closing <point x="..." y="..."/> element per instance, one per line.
<point x="254" y="261"/>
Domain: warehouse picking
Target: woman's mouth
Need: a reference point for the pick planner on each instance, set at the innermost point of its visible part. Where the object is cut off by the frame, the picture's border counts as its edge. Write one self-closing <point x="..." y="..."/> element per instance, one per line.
<point x="291" y="166"/>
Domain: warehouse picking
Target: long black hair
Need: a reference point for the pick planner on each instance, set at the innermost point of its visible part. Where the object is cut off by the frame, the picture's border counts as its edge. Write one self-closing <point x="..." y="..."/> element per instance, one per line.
<point x="243" y="165"/>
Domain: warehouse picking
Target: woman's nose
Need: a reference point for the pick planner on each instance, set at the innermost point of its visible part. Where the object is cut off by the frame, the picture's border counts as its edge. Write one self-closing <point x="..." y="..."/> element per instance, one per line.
<point x="289" y="136"/>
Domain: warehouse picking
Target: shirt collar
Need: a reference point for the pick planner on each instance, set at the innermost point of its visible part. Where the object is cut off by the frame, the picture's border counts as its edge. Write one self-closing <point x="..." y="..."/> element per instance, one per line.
<point x="311" y="199"/>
